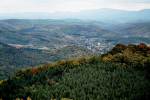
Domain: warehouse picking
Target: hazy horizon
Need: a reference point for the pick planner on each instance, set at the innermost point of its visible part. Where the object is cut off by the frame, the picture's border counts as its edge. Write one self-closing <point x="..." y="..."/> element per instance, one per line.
<point x="19" y="6"/>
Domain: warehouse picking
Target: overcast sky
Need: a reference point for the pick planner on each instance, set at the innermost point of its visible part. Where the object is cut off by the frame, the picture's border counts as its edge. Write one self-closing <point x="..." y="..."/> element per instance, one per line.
<point x="12" y="6"/>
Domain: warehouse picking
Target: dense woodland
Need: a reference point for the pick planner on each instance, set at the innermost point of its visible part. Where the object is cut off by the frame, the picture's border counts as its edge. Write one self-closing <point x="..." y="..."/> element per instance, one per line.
<point x="121" y="74"/>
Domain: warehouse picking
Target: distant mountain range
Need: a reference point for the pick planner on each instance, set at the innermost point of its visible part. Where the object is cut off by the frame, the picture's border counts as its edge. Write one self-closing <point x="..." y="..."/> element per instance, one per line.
<point x="104" y="15"/>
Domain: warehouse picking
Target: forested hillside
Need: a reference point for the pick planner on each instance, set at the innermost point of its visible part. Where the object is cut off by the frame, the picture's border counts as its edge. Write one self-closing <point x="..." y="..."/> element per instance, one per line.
<point x="121" y="74"/>
<point x="13" y="58"/>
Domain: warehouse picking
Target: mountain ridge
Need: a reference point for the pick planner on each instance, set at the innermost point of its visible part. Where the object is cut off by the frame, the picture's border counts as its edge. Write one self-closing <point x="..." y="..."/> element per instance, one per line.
<point x="98" y="14"/>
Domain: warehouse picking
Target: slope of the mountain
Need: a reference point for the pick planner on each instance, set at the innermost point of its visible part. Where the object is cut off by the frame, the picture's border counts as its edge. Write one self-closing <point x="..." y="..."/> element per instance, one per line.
<point x="13" y="58"/>
<point x="132" y="32"/>
<point x="85" y="78"/>
<point x="141" y="29"/>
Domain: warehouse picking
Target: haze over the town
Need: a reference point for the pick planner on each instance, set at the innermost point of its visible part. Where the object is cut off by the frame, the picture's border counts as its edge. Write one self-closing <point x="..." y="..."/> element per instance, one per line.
<point x="15" y="6"/>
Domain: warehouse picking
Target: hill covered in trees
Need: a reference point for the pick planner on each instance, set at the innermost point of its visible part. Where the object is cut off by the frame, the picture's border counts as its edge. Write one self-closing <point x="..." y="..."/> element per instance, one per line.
<point x="13" y="58"/>
<point x="121" y="74"/>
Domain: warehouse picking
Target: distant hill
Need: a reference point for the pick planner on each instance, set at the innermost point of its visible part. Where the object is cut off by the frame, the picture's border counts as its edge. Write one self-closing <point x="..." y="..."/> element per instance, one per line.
<point x="132" y="32"/>
<point x="13" y="58"/>
<point x="141" y="29"/>
<point x="104" y="15"/>
<point x="117" y="16"/>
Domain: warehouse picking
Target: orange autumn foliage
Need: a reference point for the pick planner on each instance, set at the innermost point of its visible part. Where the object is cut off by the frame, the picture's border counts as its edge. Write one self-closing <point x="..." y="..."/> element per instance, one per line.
<point x="34" y="71"/>
<point x="142" y="46"/>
